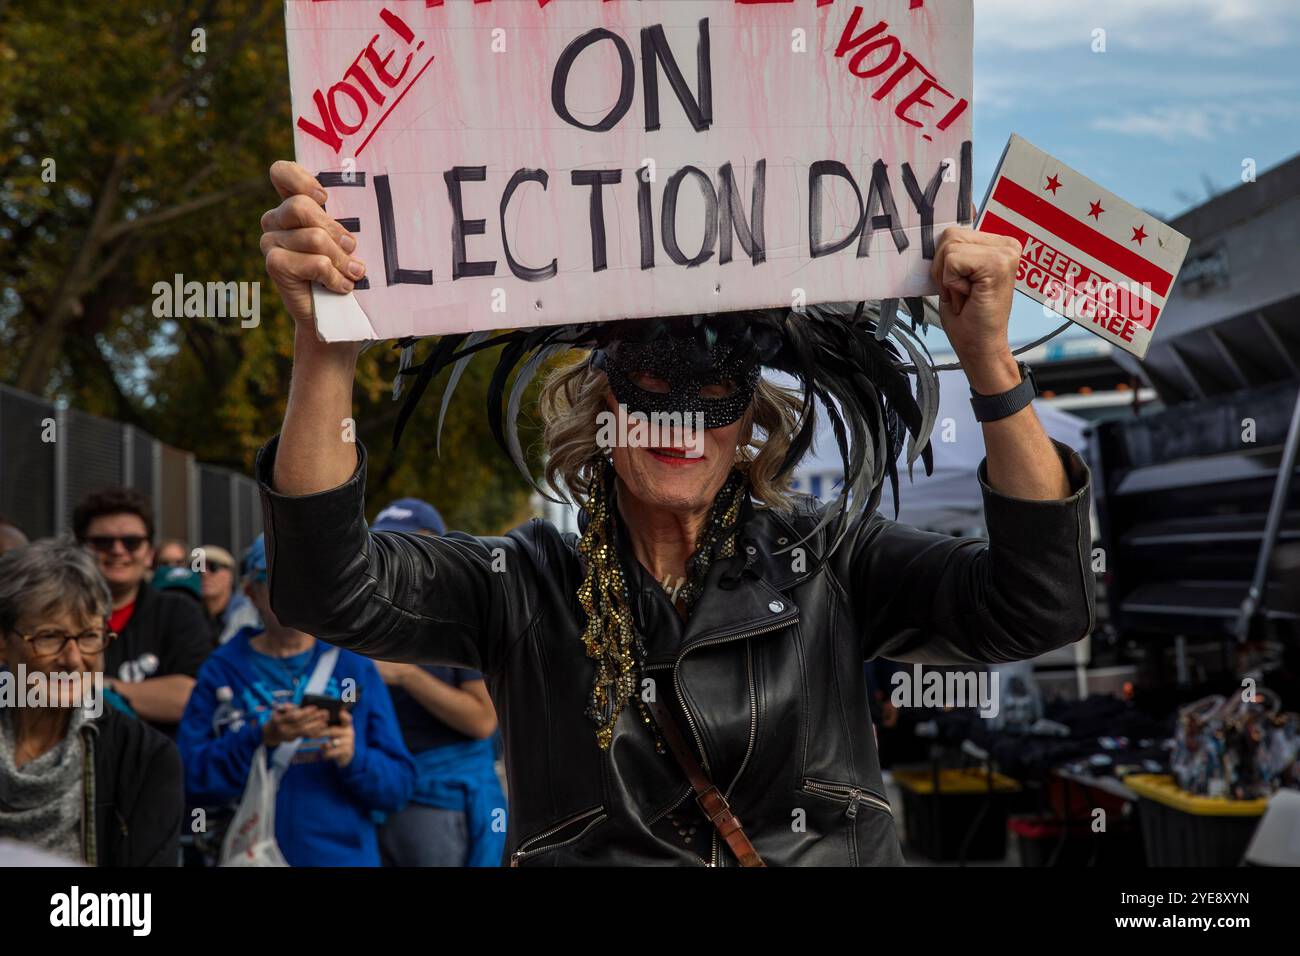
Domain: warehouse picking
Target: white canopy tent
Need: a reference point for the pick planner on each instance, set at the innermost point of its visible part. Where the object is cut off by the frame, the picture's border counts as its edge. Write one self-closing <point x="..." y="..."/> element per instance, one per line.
<point x="949" y="499"/>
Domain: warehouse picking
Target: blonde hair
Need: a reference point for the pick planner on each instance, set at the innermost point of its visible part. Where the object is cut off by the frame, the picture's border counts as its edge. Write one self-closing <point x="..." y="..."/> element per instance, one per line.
<point x="573" y="395"/>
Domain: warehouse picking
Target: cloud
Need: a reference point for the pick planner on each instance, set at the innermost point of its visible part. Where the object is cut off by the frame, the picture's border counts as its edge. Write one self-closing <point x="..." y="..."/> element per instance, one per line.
<point x="996" y="94"/>
<point x="1202" y="27"/>
<point x="1203" y="123"/>
<point x="1179" y="71"/>
<point x="1169" y="124"/>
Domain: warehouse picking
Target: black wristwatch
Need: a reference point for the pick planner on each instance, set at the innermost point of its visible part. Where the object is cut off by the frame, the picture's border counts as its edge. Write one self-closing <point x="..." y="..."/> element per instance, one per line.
<point x="990" y="408"/>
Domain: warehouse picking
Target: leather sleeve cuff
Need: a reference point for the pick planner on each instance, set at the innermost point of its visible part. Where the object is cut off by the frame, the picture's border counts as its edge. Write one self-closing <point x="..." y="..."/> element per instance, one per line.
<point x="1076" y="472"/>
<point x="1040" y="552"/>
<point x="297" y="524"/>
<point x="1009" y="518"/>
<point x="264" y="469"/>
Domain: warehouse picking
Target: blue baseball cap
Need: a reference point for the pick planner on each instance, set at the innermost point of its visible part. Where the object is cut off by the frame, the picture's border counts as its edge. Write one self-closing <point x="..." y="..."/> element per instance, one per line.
<point x="255" y="558"/>
<point x="409" y="514"/>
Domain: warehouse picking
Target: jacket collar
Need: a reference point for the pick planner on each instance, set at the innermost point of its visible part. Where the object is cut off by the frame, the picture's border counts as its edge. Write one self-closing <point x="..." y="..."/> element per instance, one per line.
<point x="773" y="536"/>
<point x="738" y="604"/>
<point x="729" y="607"/>
<point x="736" y="607"/>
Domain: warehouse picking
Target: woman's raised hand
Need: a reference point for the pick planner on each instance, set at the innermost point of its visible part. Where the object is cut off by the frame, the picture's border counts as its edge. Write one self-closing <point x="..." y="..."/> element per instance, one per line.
<point x="303" y="244"/>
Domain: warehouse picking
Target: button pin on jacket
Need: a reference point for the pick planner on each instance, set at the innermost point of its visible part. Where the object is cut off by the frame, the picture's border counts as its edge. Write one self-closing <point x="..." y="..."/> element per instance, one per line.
<point x="776" y="607"/>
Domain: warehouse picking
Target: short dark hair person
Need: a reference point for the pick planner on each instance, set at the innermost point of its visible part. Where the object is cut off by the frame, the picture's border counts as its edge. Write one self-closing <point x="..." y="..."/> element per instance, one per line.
<point x="112" y="501"/>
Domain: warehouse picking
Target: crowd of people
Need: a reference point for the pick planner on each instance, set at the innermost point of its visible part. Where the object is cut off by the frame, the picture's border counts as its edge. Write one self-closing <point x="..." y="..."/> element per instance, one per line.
<point x="143" y="683"/>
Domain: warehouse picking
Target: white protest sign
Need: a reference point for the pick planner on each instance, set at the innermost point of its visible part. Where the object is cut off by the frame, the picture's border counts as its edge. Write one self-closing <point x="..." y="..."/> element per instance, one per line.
<point x="1088" y="255"/>
<point x="513" y="163"/>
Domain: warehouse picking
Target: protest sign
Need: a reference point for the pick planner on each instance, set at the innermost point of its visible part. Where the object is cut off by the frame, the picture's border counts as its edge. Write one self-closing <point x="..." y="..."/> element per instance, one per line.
<point x="512" y="163"/>
<point x="1088" y="255"/>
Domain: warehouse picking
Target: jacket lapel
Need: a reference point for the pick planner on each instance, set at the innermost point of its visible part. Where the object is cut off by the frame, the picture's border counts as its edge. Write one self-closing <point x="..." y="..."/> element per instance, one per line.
<point x="752" y="606"/>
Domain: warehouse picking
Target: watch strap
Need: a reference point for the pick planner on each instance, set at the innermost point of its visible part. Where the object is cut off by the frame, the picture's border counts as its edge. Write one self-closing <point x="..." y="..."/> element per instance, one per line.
<point x="991" y="408"/>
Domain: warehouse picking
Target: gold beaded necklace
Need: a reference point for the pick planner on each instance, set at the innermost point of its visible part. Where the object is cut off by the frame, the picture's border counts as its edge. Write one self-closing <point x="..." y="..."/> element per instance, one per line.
<point x="610" y="636"/>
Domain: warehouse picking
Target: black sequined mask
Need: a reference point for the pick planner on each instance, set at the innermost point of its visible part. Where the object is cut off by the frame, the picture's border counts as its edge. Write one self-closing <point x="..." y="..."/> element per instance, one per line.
<point x="689" y="370"/>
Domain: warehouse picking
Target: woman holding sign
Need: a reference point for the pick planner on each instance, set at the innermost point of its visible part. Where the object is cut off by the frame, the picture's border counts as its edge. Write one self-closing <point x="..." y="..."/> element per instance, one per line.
<point x="683" y="682"/>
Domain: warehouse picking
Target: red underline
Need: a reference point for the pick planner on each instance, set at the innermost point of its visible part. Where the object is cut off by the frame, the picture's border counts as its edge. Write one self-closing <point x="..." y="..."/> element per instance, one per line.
<point x="375" y="128"/>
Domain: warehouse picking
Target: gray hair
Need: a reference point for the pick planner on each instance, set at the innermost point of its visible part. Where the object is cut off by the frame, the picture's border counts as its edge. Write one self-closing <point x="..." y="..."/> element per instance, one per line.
<point x="50" y="576"/>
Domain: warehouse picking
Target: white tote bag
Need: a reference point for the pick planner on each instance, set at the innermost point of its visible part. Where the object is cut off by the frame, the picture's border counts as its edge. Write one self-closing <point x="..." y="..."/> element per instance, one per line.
<point x="250" y="841"/>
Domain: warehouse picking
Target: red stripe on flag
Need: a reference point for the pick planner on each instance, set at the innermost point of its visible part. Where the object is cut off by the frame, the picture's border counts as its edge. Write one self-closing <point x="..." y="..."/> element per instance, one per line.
<point x="1064" y="226"/>
<point x="1080" y="283"/>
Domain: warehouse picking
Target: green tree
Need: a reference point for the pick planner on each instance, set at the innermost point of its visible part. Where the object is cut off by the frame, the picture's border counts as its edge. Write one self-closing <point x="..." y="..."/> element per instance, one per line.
<point x="134" y="142"/>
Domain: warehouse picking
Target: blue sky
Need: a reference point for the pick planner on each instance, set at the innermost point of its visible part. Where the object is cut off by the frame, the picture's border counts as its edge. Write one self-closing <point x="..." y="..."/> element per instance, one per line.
<point x="1185" y="91"/>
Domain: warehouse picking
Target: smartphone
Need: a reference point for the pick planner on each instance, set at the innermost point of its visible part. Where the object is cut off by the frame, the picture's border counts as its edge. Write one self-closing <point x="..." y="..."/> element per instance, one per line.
<point x="331" y="704"/>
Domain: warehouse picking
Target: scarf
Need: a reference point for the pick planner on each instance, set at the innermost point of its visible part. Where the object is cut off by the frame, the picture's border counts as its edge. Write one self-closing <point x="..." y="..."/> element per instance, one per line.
<point x="610" y="636"/>
<point x="41" y="802"/>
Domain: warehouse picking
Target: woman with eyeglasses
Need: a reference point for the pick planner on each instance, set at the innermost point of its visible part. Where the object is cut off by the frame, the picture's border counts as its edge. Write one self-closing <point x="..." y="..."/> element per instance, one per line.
<point x="77" y="778"/>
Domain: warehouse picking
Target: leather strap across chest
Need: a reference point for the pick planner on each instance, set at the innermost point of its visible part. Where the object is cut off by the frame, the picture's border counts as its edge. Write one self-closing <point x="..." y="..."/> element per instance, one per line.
<point x="707" y="795"/>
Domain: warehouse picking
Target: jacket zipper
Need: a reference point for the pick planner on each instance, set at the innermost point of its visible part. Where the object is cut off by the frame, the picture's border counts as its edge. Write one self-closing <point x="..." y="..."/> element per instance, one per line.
<point x="89" y="831"/>
<point x="684" y="794"/>
<point x="677" y="684"/>
<point x="528" y="847"/>
<point x="753" y="733"/>
<point x="677" y="802"/>
<point x="753" y="718"/>
<point x="753" y="713"/>
<point x="690" y="720"/>
<point x="670" y="808"/>
<point x="854" y="795"/>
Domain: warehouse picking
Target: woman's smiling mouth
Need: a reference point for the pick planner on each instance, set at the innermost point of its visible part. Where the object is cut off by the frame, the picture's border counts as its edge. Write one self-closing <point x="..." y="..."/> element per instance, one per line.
<point x="674" y="456"/>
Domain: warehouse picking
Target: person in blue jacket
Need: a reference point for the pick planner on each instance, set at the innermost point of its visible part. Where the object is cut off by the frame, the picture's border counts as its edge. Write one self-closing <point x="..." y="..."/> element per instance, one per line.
<point x="457" y="816"/>
<point x="343" y="778"/>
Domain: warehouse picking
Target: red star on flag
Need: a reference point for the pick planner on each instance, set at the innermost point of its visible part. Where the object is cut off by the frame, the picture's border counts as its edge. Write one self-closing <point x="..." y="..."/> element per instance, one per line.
<point x="1084" y="251"/>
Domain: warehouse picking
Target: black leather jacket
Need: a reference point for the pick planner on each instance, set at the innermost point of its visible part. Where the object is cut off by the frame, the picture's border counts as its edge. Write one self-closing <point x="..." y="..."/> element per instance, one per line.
<point x="769" y="672"/>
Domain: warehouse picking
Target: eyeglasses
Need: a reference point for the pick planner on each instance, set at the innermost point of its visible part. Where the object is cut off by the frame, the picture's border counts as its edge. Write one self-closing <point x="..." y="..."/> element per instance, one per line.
<point x="48" y="641"/>
<point x="104" y="542"/>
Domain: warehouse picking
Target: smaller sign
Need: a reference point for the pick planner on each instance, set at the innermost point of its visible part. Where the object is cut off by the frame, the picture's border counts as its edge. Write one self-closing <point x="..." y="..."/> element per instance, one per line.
<point x="1088" y="255"/>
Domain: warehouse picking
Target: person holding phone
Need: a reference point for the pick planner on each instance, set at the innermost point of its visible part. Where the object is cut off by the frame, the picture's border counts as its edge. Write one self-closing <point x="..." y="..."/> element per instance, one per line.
<point x="351" y="762"/>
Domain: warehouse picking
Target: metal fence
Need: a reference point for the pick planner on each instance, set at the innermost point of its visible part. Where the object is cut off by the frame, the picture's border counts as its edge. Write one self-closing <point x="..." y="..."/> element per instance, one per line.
<point x="51" y="458"/>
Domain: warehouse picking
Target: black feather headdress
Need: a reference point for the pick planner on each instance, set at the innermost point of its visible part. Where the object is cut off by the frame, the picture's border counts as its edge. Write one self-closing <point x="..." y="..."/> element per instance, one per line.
<point x="853" y="359"/>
